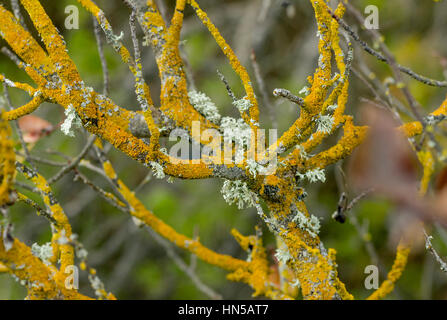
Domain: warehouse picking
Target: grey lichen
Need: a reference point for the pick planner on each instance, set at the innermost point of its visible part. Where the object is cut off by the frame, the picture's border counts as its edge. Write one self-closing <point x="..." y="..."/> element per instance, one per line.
<point x="313" y="176"/>
<point x="43" y="252"/>
<point x="237" y="192"/>
<point x="202" y="103"/>
<point x="72" y="121"/>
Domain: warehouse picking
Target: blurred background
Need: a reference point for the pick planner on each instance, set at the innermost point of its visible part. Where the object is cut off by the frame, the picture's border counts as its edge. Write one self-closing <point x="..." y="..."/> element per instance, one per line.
<point x="283" y="36"/>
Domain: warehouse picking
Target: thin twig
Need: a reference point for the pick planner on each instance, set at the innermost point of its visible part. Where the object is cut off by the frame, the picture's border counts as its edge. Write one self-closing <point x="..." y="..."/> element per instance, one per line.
<point x="289" y="96"/>
<point x="429" y="247"/>
<point x="184" y="267"/>
<point x="373" y="90"/>
<point x="43" y="160"/>
<point x="11" y="55"/>
<point x="263" y="90"/>
<point x="358" y="198"/>
<point x="381" y="57"/>
<point x="25" y="186"/>
<point x="227" y="86"/>
<point x="16" y="9"/>
<point x="39" y="209"/>
<point x="343" y="206"/>
<point x="18" y="130"/>
<point x="143" y="182"/>
<point x="100" y="44"/>
<point x="110" y="198"/>
<point x="395" y="67"/>
<point x="75" y="161"/>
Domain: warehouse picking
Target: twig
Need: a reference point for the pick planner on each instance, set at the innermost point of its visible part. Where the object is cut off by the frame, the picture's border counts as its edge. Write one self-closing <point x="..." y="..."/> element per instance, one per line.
<point x="100" y="44"/>
<point x="43" y="160"/>
<point x="110" y="198"/>
<point x="395" y="67"/>
<point x="26" y="186"/>
<point x="388" y="58"/>
<point x="14" y="58"/>
<point x="373" y="90"/>
<point x="358" y="198"/>
<point x="395" y="104"/>
<point x="263" y="90"/>
<point x="289" y="96"/>
<point x="429" y="247"/>
<point x="16" y="9"/>
<point x="18" y="130"/>
<point x="381" y="57"/>
<point x="343" y="207"/>
<point x="143" y="182"/>
<point x="40" y="210"/>
<point x="73" y="163"/>
<point x="189" y="270"/>
<point x="227" y="85"/>
<point x="183" y="266"/>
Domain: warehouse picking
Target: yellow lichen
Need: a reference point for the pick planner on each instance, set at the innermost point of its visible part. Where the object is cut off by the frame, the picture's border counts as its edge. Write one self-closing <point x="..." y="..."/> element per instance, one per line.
<point x="7" y="160"/>
<point x="396" y="271"/>
<point x="58" y="81"/>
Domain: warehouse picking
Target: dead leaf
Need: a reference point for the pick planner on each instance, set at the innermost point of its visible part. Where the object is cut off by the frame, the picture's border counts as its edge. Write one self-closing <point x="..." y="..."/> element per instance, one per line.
<point x="34" y="128"/>
<point x="385" y="159"/>
<point x="387" y="163"/>
<point x="441" y="180"/>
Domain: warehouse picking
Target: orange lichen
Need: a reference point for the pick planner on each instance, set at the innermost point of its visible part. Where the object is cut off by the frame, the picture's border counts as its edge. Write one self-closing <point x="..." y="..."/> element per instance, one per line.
<point x="235" y="64"/>
<point x="54" y="43"/>
<point x="40" y="278"/>
<point x="24" y="110"/>
<point x="138" y="210"/>
<point x="62" y="249"/>
<point x="415" y="128"/>
<point x="352" y="137"/>
<point x="428" y="164"/>
<point x="7" y="160"/>
<point x="396" y="271"/>
<point x="3" y="268"/>
<point x="175" y="105"/>
<point x="59" y="81"/>
<point x="23" y="44"/>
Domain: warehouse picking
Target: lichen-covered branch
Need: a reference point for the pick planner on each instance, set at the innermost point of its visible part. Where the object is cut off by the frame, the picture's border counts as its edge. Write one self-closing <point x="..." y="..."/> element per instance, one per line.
<point x="302" y="259"/>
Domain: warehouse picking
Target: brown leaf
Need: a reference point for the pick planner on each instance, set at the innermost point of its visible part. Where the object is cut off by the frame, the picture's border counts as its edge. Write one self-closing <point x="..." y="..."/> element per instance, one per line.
<point x="387" y="163"/>
<point x="441" y="180"/>
<point x="385" y="159"/>
<point x="34" y="128"/>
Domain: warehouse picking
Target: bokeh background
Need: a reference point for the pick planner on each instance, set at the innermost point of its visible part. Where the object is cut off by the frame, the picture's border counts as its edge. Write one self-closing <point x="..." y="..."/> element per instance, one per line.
<point x="128" y="260"/>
